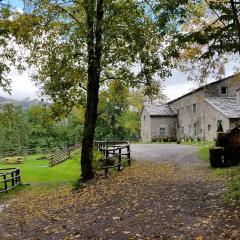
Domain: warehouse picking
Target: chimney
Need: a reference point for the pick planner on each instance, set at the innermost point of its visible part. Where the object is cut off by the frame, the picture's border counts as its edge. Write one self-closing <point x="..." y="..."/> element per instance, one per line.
<point x="238" y="96"/>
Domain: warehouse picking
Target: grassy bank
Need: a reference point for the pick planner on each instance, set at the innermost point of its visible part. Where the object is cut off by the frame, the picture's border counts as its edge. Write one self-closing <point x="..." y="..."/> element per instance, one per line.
<point x="230" y="175"/>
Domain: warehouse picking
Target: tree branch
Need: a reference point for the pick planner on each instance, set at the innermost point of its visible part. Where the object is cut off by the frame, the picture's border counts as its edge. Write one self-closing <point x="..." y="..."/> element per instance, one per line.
<point x="209" y="5"/>
<point x="236" y="21"/>
<point x="108" y="78"/>
<point x="68" y="13"/>
<point x="81" y="86"/>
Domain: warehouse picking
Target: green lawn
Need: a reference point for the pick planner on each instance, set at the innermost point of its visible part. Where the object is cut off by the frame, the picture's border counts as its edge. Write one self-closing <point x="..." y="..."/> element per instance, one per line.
<point x="37" y="173"/>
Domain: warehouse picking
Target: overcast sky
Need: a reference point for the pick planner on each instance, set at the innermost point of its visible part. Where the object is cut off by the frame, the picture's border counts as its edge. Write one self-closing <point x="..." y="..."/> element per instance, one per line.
<point x="23" y="87"/>
<point x="177" y="85"/>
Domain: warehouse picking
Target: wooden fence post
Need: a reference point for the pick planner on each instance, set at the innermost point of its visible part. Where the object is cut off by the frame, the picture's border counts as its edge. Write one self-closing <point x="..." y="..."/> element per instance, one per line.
<point x="128" y="155"/>
<point x="106" y="163"/>
<point x="119" y="158"/>
<point x="5" y="183"/>
<point x="13" y="178"/>
<point x="18" y="176"/>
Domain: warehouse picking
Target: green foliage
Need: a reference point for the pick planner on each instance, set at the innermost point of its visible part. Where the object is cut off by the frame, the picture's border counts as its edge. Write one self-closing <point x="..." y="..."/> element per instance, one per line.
<point x="119" y="110"/>
<point x="14" y="128"/>
<point x="205" y="35"/>
<point x="37" y="126"/>
<point x="9" y="56"/>
<point x="55" y="34"/>
<point x="233" y="182"/>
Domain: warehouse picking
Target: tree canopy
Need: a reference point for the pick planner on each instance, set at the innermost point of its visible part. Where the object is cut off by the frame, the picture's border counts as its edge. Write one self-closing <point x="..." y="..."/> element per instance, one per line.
<point x="204" y="34"/>
<point x="85" y="50"/>
<point x="78" y="47"/>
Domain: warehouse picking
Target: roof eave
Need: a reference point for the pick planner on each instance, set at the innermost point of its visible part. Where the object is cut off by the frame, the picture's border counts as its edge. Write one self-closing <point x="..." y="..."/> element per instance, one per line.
<point x="200" y="88"/>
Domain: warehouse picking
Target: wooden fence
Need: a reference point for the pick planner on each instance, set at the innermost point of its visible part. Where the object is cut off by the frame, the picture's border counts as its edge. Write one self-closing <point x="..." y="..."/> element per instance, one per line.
<point x="9" y="179"/>
<point x="61" y="155"/>
<point x="119" y="150"/>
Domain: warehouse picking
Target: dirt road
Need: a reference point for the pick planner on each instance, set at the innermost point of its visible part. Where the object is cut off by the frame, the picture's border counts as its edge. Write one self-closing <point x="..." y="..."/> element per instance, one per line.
<point x="168" y="193"/>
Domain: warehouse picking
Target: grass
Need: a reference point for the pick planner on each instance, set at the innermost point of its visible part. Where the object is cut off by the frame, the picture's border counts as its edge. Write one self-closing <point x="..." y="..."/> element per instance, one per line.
<point x="203" y="149"/>
<point x="231" y="175"/>
<point x="39" y="176"/>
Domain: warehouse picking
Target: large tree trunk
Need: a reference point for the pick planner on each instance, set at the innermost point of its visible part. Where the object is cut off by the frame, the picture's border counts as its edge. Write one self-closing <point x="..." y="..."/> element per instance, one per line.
<point x="94" y="45"/>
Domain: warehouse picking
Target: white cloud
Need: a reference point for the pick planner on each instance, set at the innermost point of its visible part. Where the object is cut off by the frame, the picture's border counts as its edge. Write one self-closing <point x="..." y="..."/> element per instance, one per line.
<point x="22" y="86"/>
<point x="176" y="90"/>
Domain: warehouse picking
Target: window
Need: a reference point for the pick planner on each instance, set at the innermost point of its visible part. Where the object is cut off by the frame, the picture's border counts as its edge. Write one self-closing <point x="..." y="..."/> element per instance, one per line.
<point x="219" y="126"/>
<point x="182" y="130"/>
<point x="188" y="108"/>
<point x="162" y="131"/>
<point x="144" y="118"/>
<point x="189" y="129"/>
<point x="209" y="127"/>
<point x="224" y="90"/>
<point x="194" y="106"/>
<point x="195" y="129"/>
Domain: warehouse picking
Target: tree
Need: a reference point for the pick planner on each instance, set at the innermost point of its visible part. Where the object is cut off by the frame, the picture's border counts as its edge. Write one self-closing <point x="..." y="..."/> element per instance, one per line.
<point x="5" y="55"/>
<point x="10" y="54"/>
<point x="14" y="128"/>
<point x="41" y="127"/>
<point x="205" y="34"/>
<point x="77" y="47"/>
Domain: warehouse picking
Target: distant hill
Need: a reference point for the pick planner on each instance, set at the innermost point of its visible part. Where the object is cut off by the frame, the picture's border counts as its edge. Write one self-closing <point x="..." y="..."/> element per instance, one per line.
<point x="24" y="103"/>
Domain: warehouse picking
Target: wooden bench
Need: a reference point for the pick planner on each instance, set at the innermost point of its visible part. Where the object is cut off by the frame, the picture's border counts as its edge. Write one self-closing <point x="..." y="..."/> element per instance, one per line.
<point x="13" y="160"/>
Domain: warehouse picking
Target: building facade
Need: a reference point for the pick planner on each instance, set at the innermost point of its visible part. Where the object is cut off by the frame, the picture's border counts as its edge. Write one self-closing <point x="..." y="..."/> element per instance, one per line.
<point x="195" y="115"/>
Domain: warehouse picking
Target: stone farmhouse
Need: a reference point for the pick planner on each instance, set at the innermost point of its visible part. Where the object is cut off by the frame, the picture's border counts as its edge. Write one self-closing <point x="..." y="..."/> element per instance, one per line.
<point x="195" y="115"/>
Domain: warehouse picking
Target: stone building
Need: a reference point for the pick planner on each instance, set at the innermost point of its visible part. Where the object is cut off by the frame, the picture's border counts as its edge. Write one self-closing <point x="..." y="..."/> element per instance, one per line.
<point x="195" y="115"/>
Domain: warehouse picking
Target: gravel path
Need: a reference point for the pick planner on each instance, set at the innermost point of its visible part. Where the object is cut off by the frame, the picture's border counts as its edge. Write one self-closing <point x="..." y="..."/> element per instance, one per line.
<point x="166" y="153"/>
<point x="168" y="193"/>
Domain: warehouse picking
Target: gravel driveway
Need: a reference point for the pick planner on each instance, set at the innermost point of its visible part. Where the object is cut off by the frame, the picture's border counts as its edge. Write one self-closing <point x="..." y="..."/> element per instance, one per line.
<point x="176" y="154"/>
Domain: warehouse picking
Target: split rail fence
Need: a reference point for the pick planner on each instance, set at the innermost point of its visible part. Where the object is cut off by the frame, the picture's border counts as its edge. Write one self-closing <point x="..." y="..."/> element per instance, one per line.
<point x="112" y="150"/>
<point x="61" y="155"/>
<point x="9" y="179"/>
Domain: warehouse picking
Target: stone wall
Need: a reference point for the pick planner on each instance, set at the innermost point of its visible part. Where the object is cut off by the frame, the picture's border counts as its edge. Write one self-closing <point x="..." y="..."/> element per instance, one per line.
<point x="196" y="124"/>
<point x="145" y="126"/>
<point x="212" y="116"/>
<point x="232" y="85"/>
<point x="200" y="124"/>
<point x="190" y="122"/>
<point x="169" y="123"/>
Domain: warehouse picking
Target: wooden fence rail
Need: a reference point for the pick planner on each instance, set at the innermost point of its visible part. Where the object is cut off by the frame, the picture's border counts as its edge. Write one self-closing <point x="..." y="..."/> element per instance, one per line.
<point x="114" y="150"/>
<point x="61" y="155"/>
<point x="9" y="179"/>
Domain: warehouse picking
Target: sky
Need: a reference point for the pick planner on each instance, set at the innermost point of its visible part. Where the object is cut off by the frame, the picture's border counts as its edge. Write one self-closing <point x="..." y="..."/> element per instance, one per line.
<point x="16" y="3"/>
<point x="174" y="87"/>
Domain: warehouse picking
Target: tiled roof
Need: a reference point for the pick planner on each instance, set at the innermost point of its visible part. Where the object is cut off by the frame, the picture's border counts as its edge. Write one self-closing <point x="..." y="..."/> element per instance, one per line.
<point x="228" y="106"/>
<point x="160" y="110"/>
